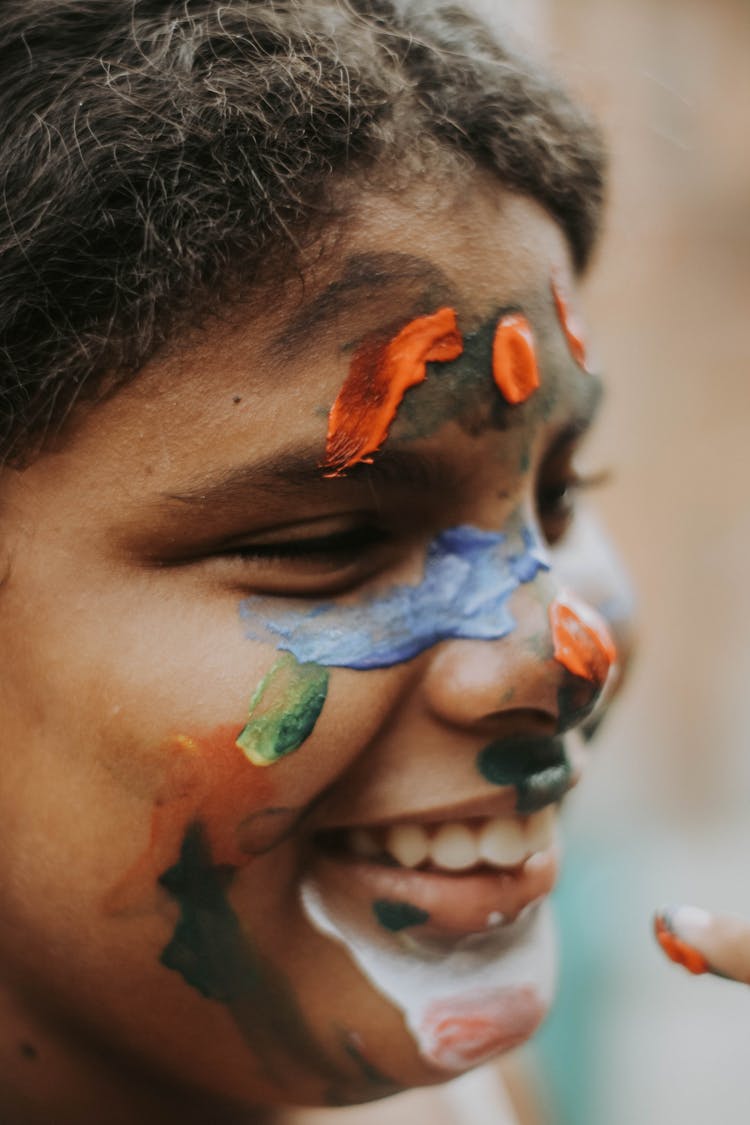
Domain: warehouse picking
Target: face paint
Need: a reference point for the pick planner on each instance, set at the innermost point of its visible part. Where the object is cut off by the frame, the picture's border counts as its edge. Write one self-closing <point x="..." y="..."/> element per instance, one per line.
<point x="396" y="916"/>
<point x="460" y="391"/>
<point x="570" y="324"/>
<point x="537" y="768"/>
<point x="468" y="1030"/>
<point x="464" y="1001"/>
<point x="468" y="578"/>
<point x="283" y="710"/>
<point x="212" y="953"/>
<point x="514" y="365"/>
<point x="378" y="379"/>
<point x="582" y="641"/>
<point x="208" y="780"/>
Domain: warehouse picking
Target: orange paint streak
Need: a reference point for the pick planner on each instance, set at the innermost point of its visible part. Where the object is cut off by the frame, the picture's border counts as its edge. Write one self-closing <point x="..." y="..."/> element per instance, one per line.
<point x="458" y="1033"/>
<point x="209" y="780"/>
<point x="679" y="951"/>
<point x="378" y="379"/>
<point x="514" y="365"/>
<point x="571" y="326"/>
<point x="582" y="641"/>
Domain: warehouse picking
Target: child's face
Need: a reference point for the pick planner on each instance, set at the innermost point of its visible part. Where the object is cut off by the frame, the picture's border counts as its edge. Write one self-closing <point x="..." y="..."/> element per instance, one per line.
<point x="198" y="904"/>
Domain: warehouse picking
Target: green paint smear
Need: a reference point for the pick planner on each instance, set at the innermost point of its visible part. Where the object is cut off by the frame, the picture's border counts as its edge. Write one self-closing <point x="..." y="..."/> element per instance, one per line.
<point x="395" y="916"/>
<point x="537" y="783"/>
<point x="284" y="710"/>
<point x="213" y="955"/>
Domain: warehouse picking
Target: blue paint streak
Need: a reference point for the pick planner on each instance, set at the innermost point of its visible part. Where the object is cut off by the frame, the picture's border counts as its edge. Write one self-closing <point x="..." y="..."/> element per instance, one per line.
<point x="468" y="578"/>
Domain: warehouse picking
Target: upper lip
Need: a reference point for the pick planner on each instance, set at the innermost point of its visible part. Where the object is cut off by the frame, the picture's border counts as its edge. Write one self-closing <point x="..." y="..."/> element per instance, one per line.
<point x="497" y="801"/>
<point x="487" y="806"/>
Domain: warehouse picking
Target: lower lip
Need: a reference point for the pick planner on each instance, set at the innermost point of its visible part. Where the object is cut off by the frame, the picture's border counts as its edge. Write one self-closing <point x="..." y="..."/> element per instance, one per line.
<point x="457" y="904"/>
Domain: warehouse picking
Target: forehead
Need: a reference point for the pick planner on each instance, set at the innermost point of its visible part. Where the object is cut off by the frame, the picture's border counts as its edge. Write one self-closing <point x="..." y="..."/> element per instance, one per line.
<point x="474" y="252"/>
<point x="265" y="378"/>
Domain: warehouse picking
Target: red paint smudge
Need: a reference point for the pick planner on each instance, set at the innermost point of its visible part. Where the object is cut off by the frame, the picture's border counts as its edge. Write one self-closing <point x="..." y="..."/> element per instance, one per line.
<point x="208" y="780"/>
<point x="571" y="325"/>
<point x="514" y="365"/>
<point x="378" y="379"/>
<point x="466" y="1030"/>
<point x="583" y="643"/>
<point x="680" y="951"/>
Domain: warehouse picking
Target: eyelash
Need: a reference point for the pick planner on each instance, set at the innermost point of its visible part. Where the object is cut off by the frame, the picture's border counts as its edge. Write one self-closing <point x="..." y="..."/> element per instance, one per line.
<point x="329" y="564"/>
<point x="334" y="547"/>
<point x="556" y="500"/>
<point x="355" y="540"/>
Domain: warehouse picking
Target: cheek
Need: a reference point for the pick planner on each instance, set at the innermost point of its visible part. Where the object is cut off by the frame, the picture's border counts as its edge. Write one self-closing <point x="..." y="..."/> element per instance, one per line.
<point x="249" y="787"/>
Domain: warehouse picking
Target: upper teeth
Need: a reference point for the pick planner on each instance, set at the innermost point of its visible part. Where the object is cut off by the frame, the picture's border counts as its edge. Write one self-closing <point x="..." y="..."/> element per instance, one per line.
<point x="458" y="845"/>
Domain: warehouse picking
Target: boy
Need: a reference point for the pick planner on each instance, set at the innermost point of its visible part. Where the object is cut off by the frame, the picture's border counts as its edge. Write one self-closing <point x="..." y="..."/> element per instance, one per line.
<point x="297" y="604"/>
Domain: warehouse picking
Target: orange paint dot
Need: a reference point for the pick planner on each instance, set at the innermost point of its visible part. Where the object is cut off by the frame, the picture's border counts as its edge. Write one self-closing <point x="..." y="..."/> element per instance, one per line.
<point x="378" y="379"/>
<point x="679" y="951"/>
<point x="582" y="641"/>
<point x="514" y="365"/>
<point x="571" y="326"/>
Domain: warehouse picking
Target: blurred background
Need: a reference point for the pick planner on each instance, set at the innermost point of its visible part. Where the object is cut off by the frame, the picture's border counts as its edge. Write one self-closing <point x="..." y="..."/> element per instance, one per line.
<point x="664" y="816"/>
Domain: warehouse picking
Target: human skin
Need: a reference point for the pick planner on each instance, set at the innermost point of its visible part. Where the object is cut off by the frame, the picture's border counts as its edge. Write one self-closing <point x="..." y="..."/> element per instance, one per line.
<point x="704" y="942"/>
<point x="126" y="672"/>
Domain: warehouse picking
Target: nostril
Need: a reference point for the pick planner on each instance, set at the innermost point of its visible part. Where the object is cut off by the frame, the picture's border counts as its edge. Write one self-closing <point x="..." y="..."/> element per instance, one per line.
<point x="576" y="699"/>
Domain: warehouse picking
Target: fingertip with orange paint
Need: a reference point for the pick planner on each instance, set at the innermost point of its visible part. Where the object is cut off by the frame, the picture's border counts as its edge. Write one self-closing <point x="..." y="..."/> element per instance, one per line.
<point x="676" y="948"/>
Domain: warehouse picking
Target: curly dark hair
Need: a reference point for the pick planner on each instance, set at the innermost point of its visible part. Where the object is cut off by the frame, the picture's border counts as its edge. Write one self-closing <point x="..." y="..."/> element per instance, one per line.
<point x="157" y="154"/>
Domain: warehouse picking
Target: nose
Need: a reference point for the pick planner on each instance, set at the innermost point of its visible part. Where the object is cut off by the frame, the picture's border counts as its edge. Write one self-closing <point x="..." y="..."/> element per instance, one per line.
<point x="555" y="662"/>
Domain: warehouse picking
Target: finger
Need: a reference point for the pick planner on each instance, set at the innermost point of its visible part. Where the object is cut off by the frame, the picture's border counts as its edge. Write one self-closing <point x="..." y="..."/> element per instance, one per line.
<point x="705" y="943"/>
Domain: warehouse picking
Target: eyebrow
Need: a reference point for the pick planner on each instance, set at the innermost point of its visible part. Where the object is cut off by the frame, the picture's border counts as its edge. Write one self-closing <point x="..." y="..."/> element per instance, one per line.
<point x="293" y="472"/>
<point x="364" y="275"/>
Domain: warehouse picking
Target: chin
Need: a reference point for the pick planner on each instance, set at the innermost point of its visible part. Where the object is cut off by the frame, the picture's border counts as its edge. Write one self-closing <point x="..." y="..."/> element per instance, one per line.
<point x="463" y="998"/>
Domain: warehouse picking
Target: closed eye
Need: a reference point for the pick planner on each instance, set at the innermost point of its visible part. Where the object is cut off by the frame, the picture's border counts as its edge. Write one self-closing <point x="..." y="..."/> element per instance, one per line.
<point x="333" y="548"/>
<point x="299" y="563"/>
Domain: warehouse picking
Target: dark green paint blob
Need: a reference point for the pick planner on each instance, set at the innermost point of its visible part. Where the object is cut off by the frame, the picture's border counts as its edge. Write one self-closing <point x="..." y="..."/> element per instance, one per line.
<point x="537" y="768"/>
<point x="462" y="390"/>
<point x="395" y="916"/>
<point x="213" y="955"/>
<point x="206" y="944"/>
<point x="284" y="710"/>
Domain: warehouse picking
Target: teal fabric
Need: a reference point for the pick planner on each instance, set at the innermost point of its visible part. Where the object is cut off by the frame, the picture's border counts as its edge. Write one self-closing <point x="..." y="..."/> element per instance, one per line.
<point x="574" y="1048"/>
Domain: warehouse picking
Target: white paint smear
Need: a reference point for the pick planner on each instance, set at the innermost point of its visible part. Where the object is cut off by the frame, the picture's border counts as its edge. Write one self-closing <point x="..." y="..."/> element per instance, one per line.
<point x="463" y="1000"/>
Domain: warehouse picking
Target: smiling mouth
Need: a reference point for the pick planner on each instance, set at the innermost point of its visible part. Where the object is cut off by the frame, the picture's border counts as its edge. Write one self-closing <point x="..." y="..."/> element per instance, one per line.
<point x="457" y="877"/>
<point x="454" y="846"/>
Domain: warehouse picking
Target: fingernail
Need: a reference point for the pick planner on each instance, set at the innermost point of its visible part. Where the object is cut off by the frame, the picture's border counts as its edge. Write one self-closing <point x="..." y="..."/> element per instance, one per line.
<point x="679" y="931"/>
